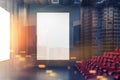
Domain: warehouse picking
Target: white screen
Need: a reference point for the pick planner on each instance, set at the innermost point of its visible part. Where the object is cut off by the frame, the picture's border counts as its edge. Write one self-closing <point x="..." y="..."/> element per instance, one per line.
<point x="52" y="36"/>
<point x="4" y="35"/>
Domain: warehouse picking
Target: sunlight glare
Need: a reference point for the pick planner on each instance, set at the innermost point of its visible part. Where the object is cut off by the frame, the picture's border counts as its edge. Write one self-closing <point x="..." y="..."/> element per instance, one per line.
<point x="4" y="34"/>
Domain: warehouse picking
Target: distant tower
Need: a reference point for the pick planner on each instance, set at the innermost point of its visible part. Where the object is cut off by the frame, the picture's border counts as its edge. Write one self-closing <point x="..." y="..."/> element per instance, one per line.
<point x="100" y="26"/>
<point x="110" y="34"/>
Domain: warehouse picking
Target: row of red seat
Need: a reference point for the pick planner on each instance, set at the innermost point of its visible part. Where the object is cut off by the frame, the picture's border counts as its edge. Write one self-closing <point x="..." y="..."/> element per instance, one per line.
<point x="107" y="64"/>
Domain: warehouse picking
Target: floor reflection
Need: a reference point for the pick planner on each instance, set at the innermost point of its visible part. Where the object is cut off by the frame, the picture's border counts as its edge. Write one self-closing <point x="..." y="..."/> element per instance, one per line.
<point x="53" y="74"/>
<point x="49" y="73"/>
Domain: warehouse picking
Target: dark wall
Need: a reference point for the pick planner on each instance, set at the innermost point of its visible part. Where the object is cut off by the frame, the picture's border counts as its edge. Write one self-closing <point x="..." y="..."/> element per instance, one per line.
<point x="74" y="11"/>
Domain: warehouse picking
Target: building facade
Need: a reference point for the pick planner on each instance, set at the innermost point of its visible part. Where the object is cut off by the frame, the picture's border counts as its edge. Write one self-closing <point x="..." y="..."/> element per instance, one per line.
<point x="100" y="26"/>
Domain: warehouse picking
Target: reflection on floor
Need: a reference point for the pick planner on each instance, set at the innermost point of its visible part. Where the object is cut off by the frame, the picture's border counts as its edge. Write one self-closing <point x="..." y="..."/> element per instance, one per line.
<point x="50" y="73"/>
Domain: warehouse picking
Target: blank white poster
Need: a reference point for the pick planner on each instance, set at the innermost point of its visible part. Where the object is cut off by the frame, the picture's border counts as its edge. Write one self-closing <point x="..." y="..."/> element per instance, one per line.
<point x="52" y="36"/>
<point x="4" y="34"/>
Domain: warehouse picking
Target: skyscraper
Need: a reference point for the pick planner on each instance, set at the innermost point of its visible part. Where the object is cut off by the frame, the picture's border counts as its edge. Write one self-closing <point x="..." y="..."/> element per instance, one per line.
<point x="100" y="26"/>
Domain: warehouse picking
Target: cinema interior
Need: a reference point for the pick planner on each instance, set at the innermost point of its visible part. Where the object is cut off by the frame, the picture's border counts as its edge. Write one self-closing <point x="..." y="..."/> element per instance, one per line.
<point x="86" y="48"/>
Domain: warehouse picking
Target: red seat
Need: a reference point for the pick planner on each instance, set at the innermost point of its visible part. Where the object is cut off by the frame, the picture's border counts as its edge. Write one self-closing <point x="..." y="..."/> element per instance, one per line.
<point x="106" y="64"/>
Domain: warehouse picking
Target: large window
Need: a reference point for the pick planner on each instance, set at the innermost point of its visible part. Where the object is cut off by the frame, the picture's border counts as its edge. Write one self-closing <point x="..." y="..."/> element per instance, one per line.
<point x="4" y="34"/>
<point x="52" y="36"/>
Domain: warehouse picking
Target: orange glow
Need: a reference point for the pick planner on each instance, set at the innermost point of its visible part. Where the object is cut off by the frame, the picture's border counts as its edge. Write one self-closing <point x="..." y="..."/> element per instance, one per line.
<point x="14" y="31"/>
<point x="92" y="71"/>
<point x="104" y="78"/>
<point x="49" y="71"/>
<point x="101" y="78"/>
<point x="73" y="58"/>
<point x="22" y="59"/>
<point x="11" y="51"/>
<point x="17" y="56"/>
<point x="41" y="66"/>
<point x="23" y="52"/>
<point x="52" y="74"/>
